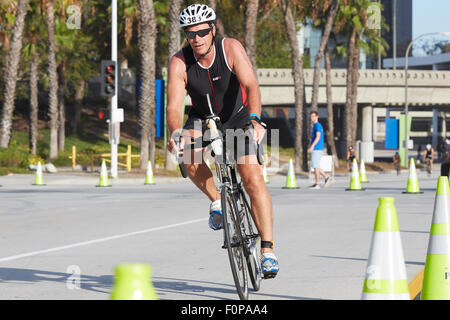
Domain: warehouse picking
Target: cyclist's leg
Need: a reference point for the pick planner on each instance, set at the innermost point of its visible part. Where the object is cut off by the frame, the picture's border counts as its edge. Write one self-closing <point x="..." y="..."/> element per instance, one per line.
<point x="197" y="170"/>
<point x="260" y="199"/>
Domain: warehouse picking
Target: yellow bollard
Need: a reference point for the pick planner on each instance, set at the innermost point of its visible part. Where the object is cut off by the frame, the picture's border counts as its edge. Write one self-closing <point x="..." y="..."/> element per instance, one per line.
<point x="74" y="157"/>
<point x="129" y="158"/>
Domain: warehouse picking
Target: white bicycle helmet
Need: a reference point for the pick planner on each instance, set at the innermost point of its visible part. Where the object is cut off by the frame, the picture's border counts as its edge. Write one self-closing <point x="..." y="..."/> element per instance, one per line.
<point x="195" y="14"/>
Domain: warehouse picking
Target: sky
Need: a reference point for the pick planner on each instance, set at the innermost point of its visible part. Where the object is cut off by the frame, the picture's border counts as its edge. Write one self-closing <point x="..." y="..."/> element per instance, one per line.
<point x="430" y="16"/>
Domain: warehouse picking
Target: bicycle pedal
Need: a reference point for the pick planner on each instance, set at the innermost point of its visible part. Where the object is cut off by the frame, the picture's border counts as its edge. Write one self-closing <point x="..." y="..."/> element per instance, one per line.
<point x="270" y="275"/>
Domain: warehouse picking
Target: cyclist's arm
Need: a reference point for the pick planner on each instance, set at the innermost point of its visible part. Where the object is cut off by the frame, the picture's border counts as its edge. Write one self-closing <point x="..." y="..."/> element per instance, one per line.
<point x="175" y="91"/>
<point x="240" y="64"/>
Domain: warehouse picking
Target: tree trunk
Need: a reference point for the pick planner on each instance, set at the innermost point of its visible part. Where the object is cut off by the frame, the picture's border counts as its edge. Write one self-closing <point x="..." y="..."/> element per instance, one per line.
<point x="219" y="23"/>
<point x="78" y="105"/>
<point x="297" y="65"/>
<point x="12" y="66"/>
<point x="332" y="11"/>
<point x="348" y="114"/>
<point x="61" y="107"/>
<point x="33" y="130"/>
<point x="53" y="82"/>
<point x="330" y="114"/>
<point x="354" y="101"/>
<point x="147" y="39"/>
<point x="251" y="15"/>
<point x="174" y="46"/>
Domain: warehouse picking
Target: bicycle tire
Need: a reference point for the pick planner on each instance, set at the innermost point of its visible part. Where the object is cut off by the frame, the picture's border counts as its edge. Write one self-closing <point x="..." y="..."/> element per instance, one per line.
<point x="182" y="170"/>
<point x="252" y="239"/>
<point x="233" y="243"/>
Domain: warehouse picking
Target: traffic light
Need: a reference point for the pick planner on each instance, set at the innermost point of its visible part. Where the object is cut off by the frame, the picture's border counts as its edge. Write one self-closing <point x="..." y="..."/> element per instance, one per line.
<point x="108" y="78"/>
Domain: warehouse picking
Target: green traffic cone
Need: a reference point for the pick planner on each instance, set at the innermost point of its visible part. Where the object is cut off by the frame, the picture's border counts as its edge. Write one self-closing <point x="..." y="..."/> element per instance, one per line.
<point x="133" y="282"/>
<point x="355" y="183"/>
<point x="266" y="177"/>
<point x="149" y="174"/>
<point x="362" y="172"/>
<point x="39" y="177"/>
<point x="386" y="273"/>
<point x="413" y="181"/>
<point x="291" y="182"/>
<point x="436" y="276"/>
<point x="103" y="176"/>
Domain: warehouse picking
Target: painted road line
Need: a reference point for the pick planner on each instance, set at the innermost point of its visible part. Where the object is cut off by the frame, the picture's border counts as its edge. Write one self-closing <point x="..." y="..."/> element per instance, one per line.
<point x="86" y="243"/>
<point x="415" y="286"/>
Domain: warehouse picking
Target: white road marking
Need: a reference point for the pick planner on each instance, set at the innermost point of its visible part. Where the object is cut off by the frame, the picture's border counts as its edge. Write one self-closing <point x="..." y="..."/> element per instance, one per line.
<point x="85" y="243"/>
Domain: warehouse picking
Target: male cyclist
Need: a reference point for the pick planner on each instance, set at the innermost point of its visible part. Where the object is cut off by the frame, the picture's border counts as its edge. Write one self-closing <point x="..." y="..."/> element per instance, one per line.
<point x="219" y="67"/>
<point x="428" y="156"/>
<point x="350" y="156"/>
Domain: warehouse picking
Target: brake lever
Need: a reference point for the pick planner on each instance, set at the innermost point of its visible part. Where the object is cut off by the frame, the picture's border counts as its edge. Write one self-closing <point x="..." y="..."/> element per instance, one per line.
<point x="259" y="147"/>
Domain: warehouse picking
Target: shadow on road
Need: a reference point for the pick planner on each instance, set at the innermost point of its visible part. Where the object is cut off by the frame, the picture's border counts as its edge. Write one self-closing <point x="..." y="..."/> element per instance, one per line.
<point x="360" y="259"/>
<point x="163" y="285"/>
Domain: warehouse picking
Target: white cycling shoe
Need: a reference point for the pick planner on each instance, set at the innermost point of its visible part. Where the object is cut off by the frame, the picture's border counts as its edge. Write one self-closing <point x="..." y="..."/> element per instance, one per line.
<point x="215" y="215"/>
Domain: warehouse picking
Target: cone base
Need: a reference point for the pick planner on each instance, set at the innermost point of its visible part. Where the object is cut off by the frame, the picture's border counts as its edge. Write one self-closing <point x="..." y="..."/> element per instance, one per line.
<point x="34" y="184"/>
<point x="413" y="192"/>
<point x="103" y="186"/>
<point x="149" y="184"/>
<point x="290" y="188"/>
<point x="355" y="189"/>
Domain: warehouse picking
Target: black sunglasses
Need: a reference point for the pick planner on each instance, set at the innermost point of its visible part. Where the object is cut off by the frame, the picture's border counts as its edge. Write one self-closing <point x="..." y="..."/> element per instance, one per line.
<point x="200" y="33"/>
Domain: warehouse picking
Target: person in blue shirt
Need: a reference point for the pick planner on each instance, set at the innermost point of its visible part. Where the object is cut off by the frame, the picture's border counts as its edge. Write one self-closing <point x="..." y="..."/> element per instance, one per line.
<point x="316" y="149"/>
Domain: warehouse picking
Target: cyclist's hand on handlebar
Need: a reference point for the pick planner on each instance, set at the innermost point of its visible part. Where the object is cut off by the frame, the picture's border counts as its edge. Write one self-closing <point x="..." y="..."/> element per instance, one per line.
<point x="258" y="131"/>
<point x="176" y="143"/>
<point x="171" y="145"/>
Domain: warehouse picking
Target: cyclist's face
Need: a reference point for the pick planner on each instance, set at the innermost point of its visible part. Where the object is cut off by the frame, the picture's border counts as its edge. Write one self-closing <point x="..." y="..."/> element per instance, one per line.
<point x="200" y="45"/>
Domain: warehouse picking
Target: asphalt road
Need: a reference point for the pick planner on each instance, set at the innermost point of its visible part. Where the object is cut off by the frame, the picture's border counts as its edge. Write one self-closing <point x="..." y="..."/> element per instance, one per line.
<point x="51" y="233"/>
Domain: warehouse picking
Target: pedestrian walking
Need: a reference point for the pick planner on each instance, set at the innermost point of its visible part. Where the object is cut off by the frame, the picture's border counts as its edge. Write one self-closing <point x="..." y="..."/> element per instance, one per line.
<point x="316" y="150"/>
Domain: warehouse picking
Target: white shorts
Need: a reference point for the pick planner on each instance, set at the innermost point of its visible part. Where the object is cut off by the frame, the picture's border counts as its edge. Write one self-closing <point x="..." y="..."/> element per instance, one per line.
<point x="315" y="158"/>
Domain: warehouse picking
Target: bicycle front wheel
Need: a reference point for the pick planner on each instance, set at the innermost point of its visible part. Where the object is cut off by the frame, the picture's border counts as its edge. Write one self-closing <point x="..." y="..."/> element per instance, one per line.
<point x="252" y="239"/>
<point x="234" y="244"/>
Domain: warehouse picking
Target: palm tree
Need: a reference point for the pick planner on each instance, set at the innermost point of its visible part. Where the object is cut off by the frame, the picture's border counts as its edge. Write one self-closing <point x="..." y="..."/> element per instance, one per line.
<point x="297" y="65"/>
<point x="53" y="81"/>
<point x="34" y="106"/>
<point x="12" y="65"/>
<point x="147" y="42"/>
<point x="219" y="24"/>
<point x="31" y="55"/>
<point x="330" y="114"/>
<point x="351" y="22"/>
<point x="173" y="47"/>
<point x="251" y="14"/>
<point x="331" y="12"/>
<point x="61" y="105"/>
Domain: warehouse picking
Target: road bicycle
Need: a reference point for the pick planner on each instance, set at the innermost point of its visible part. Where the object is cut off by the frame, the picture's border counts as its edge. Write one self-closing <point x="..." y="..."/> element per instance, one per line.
<point x="241" y="239"/>
<point x="428" y="165"/>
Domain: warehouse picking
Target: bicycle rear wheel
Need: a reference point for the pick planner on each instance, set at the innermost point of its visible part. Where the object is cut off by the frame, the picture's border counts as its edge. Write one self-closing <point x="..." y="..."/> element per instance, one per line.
<point x="252" y="239"/>
<point x="234" y="244"/>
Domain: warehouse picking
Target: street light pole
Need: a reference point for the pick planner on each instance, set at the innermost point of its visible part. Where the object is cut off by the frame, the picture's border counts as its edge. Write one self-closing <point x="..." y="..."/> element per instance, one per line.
<point x="406" y="85"/>
<point x="394" y="34"/>
<point x="114" y="99"/>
